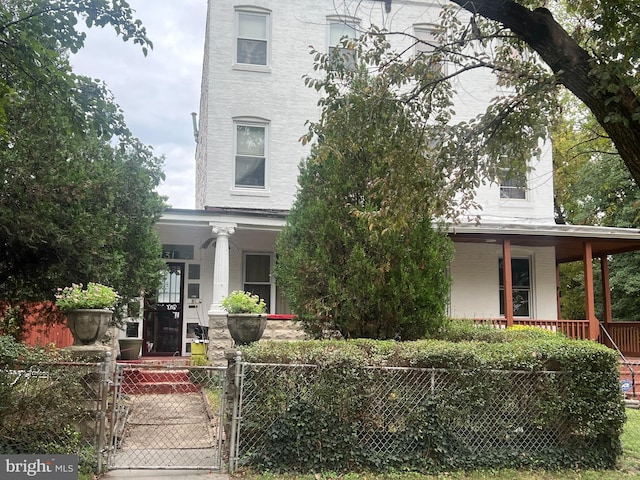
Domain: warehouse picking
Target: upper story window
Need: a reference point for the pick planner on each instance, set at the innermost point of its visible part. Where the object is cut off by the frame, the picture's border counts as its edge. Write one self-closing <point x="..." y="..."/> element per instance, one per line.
<point x="252" y="37"/>
<point x="513" y="184"/>
<point x="250" y="155"/>
<point x="426" y="43"/>
<point x="339" y="30"/>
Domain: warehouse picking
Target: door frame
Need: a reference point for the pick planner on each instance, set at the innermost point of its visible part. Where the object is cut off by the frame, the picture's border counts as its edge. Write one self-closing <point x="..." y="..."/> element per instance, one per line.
<point x="152" y="307"/>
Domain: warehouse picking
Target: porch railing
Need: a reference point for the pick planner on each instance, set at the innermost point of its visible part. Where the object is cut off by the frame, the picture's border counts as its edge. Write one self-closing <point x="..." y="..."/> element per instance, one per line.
<point x="626" y="335"/>
<point x="577" y="329"/>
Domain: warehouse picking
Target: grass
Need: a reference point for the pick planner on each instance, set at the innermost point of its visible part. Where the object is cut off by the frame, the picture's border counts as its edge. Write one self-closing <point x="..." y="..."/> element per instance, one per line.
<point x="629" y="467"/>
<point x="479" y="475"/>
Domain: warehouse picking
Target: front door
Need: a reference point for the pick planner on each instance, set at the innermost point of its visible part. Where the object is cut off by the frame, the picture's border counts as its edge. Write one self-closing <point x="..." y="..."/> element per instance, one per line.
<point x="163" y="315"/>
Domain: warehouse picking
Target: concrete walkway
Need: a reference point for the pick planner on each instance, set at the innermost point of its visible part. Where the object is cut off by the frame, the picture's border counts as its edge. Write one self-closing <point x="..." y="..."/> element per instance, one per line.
<point x="171" y="432"/>
<point x="164" y="475"/>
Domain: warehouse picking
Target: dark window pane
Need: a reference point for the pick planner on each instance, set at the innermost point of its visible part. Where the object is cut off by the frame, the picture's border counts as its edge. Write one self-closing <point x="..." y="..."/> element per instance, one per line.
<point x="194" y="271"/>
<point x="258" y="268"/>
<point x="521" y="303"/>
<point x="253" y="52"/>
<point x="520" y="272"/>
<point x="263" y="291"/>
<point x="250" y="171"/>
<point x="521" y="285"/>
<point x="193" y="290"/>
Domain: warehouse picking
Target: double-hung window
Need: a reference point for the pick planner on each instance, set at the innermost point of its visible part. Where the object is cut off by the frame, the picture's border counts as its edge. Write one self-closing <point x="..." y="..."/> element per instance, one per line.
<point x="339" y="30"/>
<point x="257" y="276"/>
<point x="425" y="46"/>
<point x="252" y="37"/>
<point x="513" y="184"/>
<point x="250" y="155"/>
<point x="521" y="286"/>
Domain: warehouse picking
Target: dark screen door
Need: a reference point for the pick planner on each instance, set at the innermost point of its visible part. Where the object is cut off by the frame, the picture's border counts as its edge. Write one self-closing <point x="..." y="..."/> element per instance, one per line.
<point x="163" y="315"/>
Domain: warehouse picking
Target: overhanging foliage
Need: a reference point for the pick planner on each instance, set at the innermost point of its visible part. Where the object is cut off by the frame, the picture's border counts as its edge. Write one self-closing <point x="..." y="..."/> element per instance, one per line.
<point x="78" y="200"/>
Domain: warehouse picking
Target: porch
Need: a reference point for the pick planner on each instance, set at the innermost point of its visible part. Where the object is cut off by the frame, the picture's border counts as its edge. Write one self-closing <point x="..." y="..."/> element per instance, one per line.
<point x="625" y="335"/>
<point x="571" y="243"/>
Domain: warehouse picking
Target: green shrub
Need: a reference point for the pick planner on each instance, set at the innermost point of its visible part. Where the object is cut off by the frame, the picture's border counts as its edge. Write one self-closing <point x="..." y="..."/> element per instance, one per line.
<point x="332" y="414"/>
<point x="43" y="406"/>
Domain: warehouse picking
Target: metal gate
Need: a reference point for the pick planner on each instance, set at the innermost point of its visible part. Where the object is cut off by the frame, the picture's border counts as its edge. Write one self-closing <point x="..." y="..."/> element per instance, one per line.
<point x="167" y="417"/>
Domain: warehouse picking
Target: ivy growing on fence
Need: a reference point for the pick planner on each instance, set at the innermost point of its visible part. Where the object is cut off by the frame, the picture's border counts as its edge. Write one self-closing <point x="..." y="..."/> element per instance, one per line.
<point x="514" y="399"/>
<point x="46" y="407"/>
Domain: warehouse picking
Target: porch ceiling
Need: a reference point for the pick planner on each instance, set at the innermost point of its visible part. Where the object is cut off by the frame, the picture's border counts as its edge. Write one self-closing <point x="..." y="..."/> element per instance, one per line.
<point x="568" y="240"/>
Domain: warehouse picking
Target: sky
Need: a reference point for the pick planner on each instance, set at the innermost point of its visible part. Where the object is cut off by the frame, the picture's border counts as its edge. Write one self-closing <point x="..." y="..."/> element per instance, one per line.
<point x="157" y="93"/>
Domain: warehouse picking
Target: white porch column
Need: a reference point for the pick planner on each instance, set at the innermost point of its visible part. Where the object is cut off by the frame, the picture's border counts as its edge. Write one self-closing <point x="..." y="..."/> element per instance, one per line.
<point x="220" y="268"/>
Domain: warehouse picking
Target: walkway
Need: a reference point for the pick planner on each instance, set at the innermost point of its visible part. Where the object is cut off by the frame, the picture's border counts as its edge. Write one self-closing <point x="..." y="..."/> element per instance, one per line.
<point x="167" y="431"/>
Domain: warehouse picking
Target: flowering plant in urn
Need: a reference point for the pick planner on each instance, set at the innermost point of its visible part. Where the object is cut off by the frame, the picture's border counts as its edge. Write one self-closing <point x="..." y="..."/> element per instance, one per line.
<point x="88" y="310"/>
<point x="245" y="316"/>
<point x="240" y="301"/>
<point x="94" y="296"/>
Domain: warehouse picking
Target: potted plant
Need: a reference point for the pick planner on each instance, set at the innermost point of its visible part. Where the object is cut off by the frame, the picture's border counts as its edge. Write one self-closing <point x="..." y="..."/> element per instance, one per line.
<point x="131" y="344"/>
<point x="246" y="317"/>
<point x="89" y="310"/>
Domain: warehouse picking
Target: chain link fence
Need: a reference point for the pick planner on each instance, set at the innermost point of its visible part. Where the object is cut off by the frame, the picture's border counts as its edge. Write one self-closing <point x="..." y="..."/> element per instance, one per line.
<point x="134" y="416"/>
<point x="167" y="417"/>
<point x="54" y="408"/>
<point x="114" y="415"/>
<point x="398" y="417"/>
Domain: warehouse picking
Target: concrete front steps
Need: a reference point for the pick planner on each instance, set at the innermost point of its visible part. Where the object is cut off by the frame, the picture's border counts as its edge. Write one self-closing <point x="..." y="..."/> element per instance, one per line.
<point x="148" y="378"/>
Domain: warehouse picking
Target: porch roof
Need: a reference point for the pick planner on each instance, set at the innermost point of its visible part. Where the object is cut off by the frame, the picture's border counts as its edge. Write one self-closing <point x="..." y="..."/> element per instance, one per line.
<point x="568" y="240"/>
<point x="260" y="219"/>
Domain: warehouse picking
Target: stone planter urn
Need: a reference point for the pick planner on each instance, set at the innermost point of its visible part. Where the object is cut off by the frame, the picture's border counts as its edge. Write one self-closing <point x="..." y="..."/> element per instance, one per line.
<point x="246" y="328"/>
<point x="88" y="326"/>
<point x="130" y="348"/>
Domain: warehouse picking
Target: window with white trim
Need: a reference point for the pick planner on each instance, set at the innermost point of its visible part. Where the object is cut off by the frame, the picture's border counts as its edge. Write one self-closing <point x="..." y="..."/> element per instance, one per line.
<point x="426" y="44"/>
<point x="339" y="30"/>
<point x="513" y="184"/>
<point x="250" y="155"/>
<point x="257" y="276"/>
<point x="252" y="37"/>
<point x="521" y="286"/>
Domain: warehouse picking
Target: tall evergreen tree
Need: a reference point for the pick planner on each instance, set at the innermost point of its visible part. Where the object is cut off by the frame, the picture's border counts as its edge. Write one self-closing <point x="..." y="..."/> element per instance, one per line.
<point x="344" y="261"/>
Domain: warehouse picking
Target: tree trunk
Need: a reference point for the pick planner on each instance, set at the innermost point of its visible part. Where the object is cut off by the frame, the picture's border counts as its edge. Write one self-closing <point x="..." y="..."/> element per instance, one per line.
<point x="613" y="107"/>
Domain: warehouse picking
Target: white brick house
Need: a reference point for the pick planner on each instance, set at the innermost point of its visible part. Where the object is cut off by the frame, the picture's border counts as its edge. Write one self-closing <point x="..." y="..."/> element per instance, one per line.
<point x="253" y="110"/>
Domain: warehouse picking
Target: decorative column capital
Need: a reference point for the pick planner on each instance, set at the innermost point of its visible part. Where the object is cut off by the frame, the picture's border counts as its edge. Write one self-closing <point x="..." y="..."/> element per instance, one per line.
<point x="219" y="230"/>
<point x="220" y="266"/>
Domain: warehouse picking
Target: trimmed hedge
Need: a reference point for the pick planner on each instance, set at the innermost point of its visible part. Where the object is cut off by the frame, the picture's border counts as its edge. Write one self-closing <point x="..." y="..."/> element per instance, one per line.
<point x="314" y="418"/>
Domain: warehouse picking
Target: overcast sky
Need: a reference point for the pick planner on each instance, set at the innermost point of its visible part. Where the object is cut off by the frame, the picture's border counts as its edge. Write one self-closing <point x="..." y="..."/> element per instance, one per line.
<point x="157" y="93"/>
